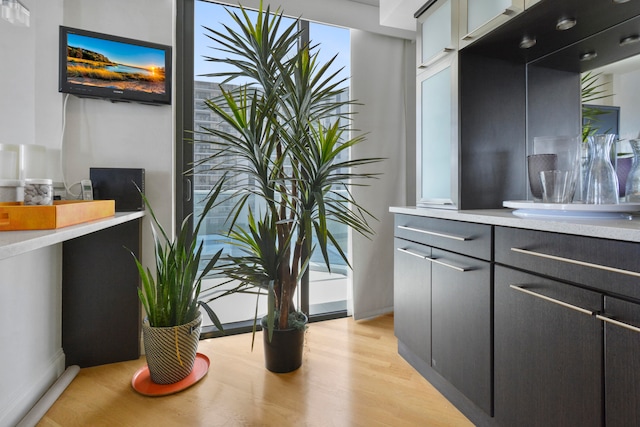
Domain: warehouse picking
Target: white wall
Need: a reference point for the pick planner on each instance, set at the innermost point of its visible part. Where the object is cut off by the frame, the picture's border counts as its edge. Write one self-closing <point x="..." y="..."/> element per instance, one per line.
<point x="31" y="357"/>
<point x="17" y="118"/>
<point x="104" y="134"/>
<point x="626" y="90"/>
<point x="98" y="133"/>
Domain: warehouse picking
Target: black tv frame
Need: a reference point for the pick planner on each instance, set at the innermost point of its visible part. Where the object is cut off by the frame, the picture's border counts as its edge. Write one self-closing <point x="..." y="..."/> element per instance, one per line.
<point x="110" y="93"/>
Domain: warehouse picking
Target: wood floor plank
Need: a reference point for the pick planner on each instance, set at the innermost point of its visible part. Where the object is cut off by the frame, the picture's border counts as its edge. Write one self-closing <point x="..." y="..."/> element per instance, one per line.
<point x="351" y="375"/>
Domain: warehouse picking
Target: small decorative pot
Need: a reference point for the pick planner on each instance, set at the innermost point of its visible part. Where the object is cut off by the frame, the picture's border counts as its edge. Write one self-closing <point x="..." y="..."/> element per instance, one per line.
<point x="284" y="352"/>
<point x="171" y="351"/>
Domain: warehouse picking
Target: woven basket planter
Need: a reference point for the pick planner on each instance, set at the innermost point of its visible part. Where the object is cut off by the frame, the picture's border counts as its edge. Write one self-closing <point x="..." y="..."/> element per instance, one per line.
<point x="171" y="351"/>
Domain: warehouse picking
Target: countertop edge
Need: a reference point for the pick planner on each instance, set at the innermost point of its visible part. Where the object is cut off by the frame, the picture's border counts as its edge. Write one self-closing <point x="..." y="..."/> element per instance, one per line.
<point x="614" y="229"/>
<point x="14" y="243"/>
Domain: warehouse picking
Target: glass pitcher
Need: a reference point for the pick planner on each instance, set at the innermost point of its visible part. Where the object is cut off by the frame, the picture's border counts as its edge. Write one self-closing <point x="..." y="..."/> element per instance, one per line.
<point x="632" y="190"/>
<point x="602" y="181"/>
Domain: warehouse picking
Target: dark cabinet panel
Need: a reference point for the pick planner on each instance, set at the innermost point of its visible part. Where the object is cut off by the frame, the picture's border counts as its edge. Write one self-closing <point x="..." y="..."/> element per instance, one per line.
<point x="609" y="266"/>
<point x="412" y="297"/>
<point x="100" y="306"/>
<point x="456" y="236"/>
<point x="622" y="363"/>
<point x="548" y="352"/>
<point x="461" y="324"/>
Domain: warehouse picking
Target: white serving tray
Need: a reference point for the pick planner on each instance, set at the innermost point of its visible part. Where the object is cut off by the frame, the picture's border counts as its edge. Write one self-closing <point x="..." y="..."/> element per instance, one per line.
<point x="531" y="209"/>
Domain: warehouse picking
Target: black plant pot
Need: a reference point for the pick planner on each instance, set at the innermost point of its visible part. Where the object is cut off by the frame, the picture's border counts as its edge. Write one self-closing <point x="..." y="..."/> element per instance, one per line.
<point x="284" y="352"/>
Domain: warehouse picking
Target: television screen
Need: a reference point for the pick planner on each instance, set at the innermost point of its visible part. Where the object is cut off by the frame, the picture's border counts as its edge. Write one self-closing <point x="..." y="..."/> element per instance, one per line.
<point x="116" y="68"/>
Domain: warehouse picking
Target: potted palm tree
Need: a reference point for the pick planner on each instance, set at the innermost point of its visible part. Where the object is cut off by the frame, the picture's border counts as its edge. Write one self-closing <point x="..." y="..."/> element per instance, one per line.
<point x="286" y="127"/>
<point x="170" y="298"/>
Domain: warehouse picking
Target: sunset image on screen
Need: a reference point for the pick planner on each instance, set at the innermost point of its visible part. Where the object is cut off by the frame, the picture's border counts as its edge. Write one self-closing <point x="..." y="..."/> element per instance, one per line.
<point x="105" y="63"/>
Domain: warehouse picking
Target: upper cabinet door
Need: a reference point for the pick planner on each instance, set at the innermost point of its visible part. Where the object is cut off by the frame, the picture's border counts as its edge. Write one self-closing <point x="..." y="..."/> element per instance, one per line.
<point x="437" y="134"/>
<point x="478" y="17"/>
<point x="437" y="32"/>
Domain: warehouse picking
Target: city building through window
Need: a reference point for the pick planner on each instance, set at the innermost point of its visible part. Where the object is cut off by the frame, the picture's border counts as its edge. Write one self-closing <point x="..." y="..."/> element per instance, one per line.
<point x="328" y="292"/>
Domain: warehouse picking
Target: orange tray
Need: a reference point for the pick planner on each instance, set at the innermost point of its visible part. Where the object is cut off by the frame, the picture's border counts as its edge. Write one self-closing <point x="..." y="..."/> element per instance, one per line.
<point x="63" y="213"/>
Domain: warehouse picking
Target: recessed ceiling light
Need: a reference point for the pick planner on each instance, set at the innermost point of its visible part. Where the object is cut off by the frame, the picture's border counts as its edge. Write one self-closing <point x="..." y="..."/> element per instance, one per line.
<point x="527" y="42"/>
<point x="588" y="56"/>
<point x="630" y="40"/>
<point x="565" y="24"/>
<point x="620" y="1"/>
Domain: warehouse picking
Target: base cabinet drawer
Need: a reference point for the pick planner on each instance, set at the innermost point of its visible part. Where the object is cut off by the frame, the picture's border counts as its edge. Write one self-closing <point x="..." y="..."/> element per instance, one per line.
<point x="456" y="236"/>
<point x="607" y="265"/>
<point x="548" y="352"/>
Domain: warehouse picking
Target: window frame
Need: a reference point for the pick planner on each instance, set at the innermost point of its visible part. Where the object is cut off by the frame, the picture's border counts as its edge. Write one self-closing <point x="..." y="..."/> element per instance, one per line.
<point x="184" y="127"/>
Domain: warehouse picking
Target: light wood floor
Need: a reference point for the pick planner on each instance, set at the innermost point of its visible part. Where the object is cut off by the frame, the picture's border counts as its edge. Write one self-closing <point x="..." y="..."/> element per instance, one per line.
<point x="351" y="375"/>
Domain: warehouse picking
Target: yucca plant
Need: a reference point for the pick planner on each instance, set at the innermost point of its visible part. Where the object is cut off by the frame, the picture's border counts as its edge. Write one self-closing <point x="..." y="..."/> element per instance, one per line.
<point x="290" y="125"/>
<point x="170" y="297"/>
<point x="591" y="90"/>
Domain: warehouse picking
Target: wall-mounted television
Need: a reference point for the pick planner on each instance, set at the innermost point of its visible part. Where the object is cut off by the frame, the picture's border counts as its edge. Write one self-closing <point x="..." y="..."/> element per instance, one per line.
<point x="116" y="68"/>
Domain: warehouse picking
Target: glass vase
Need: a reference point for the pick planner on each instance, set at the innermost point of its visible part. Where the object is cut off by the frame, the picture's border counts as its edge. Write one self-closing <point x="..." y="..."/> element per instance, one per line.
<point x="602" y="181"/>
<point x="632" y="189"/>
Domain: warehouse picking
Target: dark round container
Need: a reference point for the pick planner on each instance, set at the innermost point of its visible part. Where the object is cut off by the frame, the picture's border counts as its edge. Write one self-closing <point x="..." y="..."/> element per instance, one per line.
<point x="284" y="352"/>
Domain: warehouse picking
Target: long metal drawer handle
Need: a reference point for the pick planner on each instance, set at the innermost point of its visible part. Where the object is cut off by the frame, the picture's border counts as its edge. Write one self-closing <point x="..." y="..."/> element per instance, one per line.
<point x="405" y="251"/>
<point x="433" y="233"/>
<point x="455" y="267"/>
<point x="617" y="323"/>
<point x="575" y="261"/>
<point x="553" y="300"/>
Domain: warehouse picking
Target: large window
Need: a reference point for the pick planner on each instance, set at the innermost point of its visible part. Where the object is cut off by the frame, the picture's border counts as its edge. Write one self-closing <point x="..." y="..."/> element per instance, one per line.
<point x="327" y="292"/>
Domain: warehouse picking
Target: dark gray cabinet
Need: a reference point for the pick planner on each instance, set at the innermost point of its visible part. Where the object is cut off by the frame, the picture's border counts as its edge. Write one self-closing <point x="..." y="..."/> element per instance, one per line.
<point x="461" y="324"/>
<point x="548" y="352"/>
<point x="566" y="349"/>
<point x="412" y="297"/>
<point x="622" y="362"/>
<point x="442" y="291"/>
<point x="520" y="327"/>
<point x="100" y="306"/>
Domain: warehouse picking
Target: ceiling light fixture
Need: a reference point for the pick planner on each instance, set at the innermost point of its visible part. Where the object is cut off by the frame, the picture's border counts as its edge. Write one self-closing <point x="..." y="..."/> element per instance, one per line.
<point x="527" y="42"/>
<point x="15" y="12"/>
<point x="630" y="40"/>
<point x="620" y="1"/>
<point x="565" y="24"/>
<point x="588" y="56"/>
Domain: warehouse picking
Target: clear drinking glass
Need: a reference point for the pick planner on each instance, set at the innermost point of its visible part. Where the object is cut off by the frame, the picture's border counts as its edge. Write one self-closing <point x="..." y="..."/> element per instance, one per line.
<point x="566" y="152"/>
<point x="602" y="181"/>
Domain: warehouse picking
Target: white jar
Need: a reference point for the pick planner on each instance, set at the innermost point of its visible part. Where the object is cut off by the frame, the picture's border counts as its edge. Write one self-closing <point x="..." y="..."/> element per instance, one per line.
<point x="11" y="190"/>
<point x="38" y="192"/>
<point x="9" y="161"/>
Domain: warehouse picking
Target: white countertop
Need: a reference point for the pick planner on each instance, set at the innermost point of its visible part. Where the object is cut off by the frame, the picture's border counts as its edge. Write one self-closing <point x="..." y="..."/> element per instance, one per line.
<point x="615" y="229"/>
<point x="18" y="242"/>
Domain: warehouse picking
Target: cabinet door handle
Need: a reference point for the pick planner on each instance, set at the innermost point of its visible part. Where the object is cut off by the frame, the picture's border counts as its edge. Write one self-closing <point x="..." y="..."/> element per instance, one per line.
<point x="575" y="261"/>
<point x="415" y="254"/>
<point x="510" y="11"/>
<point x="435" y="57"/>
<point x="553" y="300"/>
<point x="433" y="233"/>
<point x="445" y="264"/>
<point x="617" y="323"/>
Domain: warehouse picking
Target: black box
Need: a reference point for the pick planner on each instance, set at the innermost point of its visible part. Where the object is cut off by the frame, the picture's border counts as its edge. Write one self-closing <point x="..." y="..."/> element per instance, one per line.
<point x="118" y="184"/>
